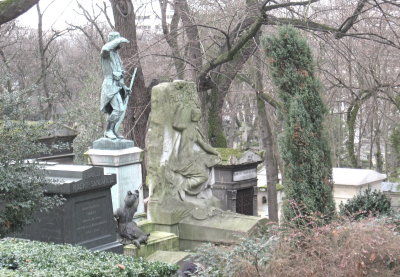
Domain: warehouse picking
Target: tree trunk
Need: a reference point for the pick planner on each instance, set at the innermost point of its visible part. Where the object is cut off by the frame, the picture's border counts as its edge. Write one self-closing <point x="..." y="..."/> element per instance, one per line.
<point x="270" y="159"/>
<point x="171" y="36"/>
<point x="269" y="145"/>
<point x="352" y="112"/>
<point x="43" y="67"/>
<point x="378" y="154"/>
<point x="223" y="79"/>
<point x="11" y="9"/>
<point x="193" y="47"/>
<point x="139" y="105"/>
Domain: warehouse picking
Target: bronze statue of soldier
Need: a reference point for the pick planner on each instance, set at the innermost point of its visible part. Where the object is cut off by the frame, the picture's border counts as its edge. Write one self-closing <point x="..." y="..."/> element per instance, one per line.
<point x="114" y="92"/>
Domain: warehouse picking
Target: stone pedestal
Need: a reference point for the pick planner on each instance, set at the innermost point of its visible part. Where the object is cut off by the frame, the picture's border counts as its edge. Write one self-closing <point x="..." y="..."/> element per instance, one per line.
<point x="86" y="217"/>
<point x="120" y="157"/>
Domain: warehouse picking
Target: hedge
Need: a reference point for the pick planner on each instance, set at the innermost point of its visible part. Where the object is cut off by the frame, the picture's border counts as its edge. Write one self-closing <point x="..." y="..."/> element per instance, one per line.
<point x="25" y="258"/>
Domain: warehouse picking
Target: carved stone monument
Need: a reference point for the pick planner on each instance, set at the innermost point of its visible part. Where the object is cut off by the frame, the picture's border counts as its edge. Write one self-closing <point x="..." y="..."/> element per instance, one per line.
<point x="179" y="169"/>
<point x="179" y="158"/>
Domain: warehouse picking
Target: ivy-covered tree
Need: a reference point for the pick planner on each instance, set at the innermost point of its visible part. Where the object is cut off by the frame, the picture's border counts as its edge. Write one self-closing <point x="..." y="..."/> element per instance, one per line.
<point x="307" y="174"/>
<point x="22" y="182"/>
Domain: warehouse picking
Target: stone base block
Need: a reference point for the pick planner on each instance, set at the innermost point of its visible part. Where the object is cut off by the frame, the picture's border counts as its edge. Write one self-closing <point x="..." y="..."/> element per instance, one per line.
<point x="119" y="157"/>
<point x="147" y="227"/>
<point x="170" y="257"/>
<point x="157" y="241"/>
<point x="220" y="229"/>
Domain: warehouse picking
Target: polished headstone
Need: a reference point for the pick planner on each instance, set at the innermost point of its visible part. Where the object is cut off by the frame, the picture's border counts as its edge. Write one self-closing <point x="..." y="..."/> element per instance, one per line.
<point x="86" y="216"/>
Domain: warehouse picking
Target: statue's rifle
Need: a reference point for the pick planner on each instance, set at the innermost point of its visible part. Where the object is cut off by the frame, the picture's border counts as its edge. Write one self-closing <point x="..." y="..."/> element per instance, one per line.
<point x="126" y="99"/>
<point x="132" y="81"/>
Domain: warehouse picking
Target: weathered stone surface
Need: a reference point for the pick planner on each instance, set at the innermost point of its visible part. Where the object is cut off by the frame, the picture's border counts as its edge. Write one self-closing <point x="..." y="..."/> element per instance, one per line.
<point x="179" y="158"/>
<point x="179" y="174"/>
<point x="170" y="257"/>
<point x="157" y="241"/>
<point x="223" y="227"/>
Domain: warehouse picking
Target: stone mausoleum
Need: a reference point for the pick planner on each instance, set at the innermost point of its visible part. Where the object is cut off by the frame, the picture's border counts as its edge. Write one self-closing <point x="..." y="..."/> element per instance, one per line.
<point x="234" y="180"/>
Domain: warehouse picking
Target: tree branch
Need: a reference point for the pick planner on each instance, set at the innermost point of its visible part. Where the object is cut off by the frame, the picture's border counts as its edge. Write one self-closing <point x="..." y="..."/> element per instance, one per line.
<point x="228" y="55"/>
<point x="288" y="4"/>
<point x="10" y="10"/>
<point x="349" y="22"/>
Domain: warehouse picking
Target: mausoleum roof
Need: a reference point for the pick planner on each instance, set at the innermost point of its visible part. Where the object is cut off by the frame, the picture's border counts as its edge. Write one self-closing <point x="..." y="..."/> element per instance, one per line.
<point x="355" y="176"/>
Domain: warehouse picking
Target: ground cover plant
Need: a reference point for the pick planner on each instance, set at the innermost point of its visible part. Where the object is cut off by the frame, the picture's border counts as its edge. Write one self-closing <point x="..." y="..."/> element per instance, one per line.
<point x="344" y="248"/>
<point x="25" y="258"/>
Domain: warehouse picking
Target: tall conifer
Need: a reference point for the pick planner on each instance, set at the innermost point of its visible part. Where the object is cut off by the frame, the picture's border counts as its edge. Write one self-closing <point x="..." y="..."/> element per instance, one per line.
<point x="305" y="152"/>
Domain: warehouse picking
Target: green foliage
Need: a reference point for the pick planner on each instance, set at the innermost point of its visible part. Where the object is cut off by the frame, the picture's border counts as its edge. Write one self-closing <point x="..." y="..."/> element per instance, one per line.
<point x="394" y="175"/>
<point x="8" y="273"/>
<point x="215" y="133"/>
<point x="366" y="204"/>
<point x="32" y="258"/>
<point x="215" y="130"/>
<point x="303" y="145"/>
<point x="21" y="183"/>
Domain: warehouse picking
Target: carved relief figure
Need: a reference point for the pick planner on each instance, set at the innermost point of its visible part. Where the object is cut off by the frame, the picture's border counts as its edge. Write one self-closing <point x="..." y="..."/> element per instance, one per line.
<point x="189" y="165"/>
<point x="113" y="91"/>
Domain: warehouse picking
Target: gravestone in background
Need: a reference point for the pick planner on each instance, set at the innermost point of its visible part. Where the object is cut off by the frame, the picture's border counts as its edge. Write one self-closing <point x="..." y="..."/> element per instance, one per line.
<point x="86" y="216"/>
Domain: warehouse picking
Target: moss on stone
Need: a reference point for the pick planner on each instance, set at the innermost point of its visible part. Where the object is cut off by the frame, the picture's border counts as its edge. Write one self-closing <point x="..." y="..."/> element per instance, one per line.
<point x="226" y="153"/>
<point x="279" y="187"/>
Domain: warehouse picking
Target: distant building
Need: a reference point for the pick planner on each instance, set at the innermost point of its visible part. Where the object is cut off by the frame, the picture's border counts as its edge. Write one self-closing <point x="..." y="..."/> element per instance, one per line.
<point x="392" y="191"/>
<point x="348" y="182"/>
<point x="148" y="17"/>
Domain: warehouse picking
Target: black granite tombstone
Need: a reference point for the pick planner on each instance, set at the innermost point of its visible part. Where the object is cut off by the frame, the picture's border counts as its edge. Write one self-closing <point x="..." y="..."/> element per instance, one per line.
<point x="86" y="216"/>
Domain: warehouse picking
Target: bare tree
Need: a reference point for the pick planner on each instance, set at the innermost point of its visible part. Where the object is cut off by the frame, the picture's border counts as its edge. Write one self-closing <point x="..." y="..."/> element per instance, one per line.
<point x="46" y="60"/>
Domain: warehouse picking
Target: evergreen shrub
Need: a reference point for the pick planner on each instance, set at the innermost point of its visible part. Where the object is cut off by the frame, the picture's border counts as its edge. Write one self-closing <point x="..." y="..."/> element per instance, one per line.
<point x="32" y="258"/>
<point x="307" y="174"/>
<point x="367" y="203"/>
<point x="22" y="183"/>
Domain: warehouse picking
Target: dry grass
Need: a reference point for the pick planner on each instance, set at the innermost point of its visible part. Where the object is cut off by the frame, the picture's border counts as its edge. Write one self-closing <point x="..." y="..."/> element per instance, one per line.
<point x="344" y="248"/>
<point x="350" y="249"/>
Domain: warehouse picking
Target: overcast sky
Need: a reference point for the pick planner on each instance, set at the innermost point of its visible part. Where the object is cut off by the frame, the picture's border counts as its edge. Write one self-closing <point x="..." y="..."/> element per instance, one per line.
<point x="57" y="12"/>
